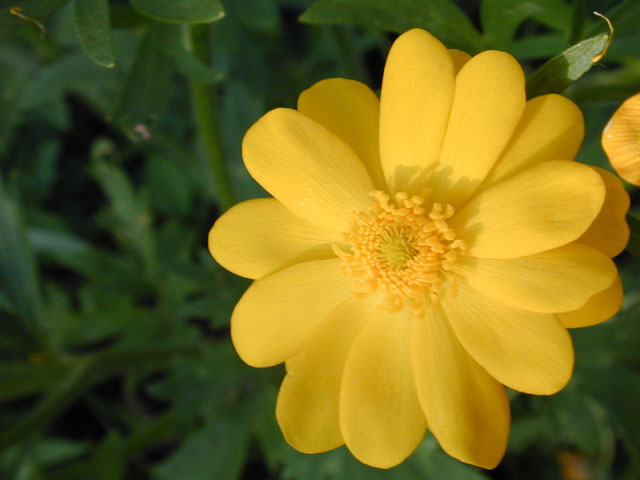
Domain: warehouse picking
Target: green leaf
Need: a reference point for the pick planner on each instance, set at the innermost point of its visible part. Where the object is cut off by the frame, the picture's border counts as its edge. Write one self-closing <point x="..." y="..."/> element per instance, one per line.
<point x="554" y="13"/>
<point x="107" y="461"/>
<point x="63" y="393"/>
<point x="564" y="69"/>
<point x="526" y="430"/>
<point x="180" y="49"/>
<point x="124" y="16"/>
<point x="443" y="18"/>
<point x="259" y="15"/>
<point x="432" y="462"/>
<point x="184" y="11"/>
<point x="93" y="28"/>
<point x="194" y="69"/>
<point x="108" y="270"/>
<point x="579" y="19"/>
<point x="81" y="373"/>
<point x="537" y="47"/>
<point x="149" y="87"/>
<point x="168" y="186"/>
<point x="427" y="462"/>
<point x="128" y="217"/>
<point x="634" y="240"/>
<point x="217" y="451"/>
<point x="18" y="271"/>
<point x="57" y="450"/>
<point x="625" y="17"/>
<point x="21" y="378"/>
<point x="74" y="72"/>
<point x="579" y="419"/>
<point x="617" y="389"/>
<point x="501" y="18"/>
<point x="333" y="465"/>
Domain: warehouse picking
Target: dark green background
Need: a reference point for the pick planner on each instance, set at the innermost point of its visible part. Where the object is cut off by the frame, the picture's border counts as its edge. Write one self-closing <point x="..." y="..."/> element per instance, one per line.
<point x="120" y="136"/>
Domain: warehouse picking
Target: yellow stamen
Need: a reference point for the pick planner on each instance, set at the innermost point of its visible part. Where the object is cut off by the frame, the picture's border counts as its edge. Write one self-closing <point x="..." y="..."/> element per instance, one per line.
<point x="402" y="250"/>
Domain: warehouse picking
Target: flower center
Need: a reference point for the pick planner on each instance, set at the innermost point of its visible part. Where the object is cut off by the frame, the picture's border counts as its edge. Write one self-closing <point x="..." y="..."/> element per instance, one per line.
<point x="401" y="250"/>
<point x="395" y="249"/>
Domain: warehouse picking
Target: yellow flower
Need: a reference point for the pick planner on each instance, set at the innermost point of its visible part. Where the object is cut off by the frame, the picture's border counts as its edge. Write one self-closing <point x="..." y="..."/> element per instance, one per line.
<point x="621" y="140"/>
<point x="421" y="252"/>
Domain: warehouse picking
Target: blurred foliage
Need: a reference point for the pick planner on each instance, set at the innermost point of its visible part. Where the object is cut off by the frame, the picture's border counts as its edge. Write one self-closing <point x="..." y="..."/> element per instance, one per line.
<point x="120" y="144"/>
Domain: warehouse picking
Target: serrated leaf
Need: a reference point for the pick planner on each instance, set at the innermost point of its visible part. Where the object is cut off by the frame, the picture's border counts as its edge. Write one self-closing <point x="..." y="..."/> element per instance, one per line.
<point x="634" y="239"/>
<point x="93" y="29"/>
<point x="564" y="69"/>
<point x="443" y="18"/>
<point x="128" y="217"/>
<point x="184" y="11"/>
<point x="106" y="269"/>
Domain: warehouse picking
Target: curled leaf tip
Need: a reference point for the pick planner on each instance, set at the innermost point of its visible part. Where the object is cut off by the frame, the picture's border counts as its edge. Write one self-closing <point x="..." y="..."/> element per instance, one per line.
<point x="599" y="57"/>
<point x="17" y="12"/>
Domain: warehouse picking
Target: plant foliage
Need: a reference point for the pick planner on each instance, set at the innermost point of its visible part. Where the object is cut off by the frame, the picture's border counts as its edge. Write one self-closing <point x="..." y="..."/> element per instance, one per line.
<point x="120" y="142"/>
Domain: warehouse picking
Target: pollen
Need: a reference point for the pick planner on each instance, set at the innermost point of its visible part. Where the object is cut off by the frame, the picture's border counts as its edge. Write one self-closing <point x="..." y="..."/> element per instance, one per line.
<point x="403" y="249"/>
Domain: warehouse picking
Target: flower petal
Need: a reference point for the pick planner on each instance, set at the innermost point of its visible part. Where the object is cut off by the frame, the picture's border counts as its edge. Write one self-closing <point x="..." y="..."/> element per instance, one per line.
<point x="466" y="409"/>
<point x="380" y="416"/>
<point x="459" y="59"/>
<point x="277" y="314"/>
<point x="488" y="102"/>
<point x="310" y="170"/>
<point x="621" y="140"/>
<point x="529" y="352"/>
<point x="551" y="128"/>
<point x="601" y="307"/>
<point x="544" y="207"/>
<point x="557" y="280"/>
<point x="309" y="399"/>
<point x="257" y="237"/>
<point x="609" y="232"/>
<point x="417" y="89"/>
<point x="350" y="110"/>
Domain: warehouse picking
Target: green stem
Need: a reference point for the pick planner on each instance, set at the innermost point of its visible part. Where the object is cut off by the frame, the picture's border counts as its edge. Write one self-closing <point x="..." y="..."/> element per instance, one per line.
<point x="352" y="66"/>
<point x="204" y="107"/>
<point x="46" y="411"/>
<point x="578" y="22"/>
<point x="85" y="371"/>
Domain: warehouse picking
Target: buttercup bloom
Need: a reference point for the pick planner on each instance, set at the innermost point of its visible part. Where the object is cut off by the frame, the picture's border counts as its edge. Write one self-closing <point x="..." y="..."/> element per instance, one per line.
<point x="621" y="140"/>
<point x="421" y="252"/>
